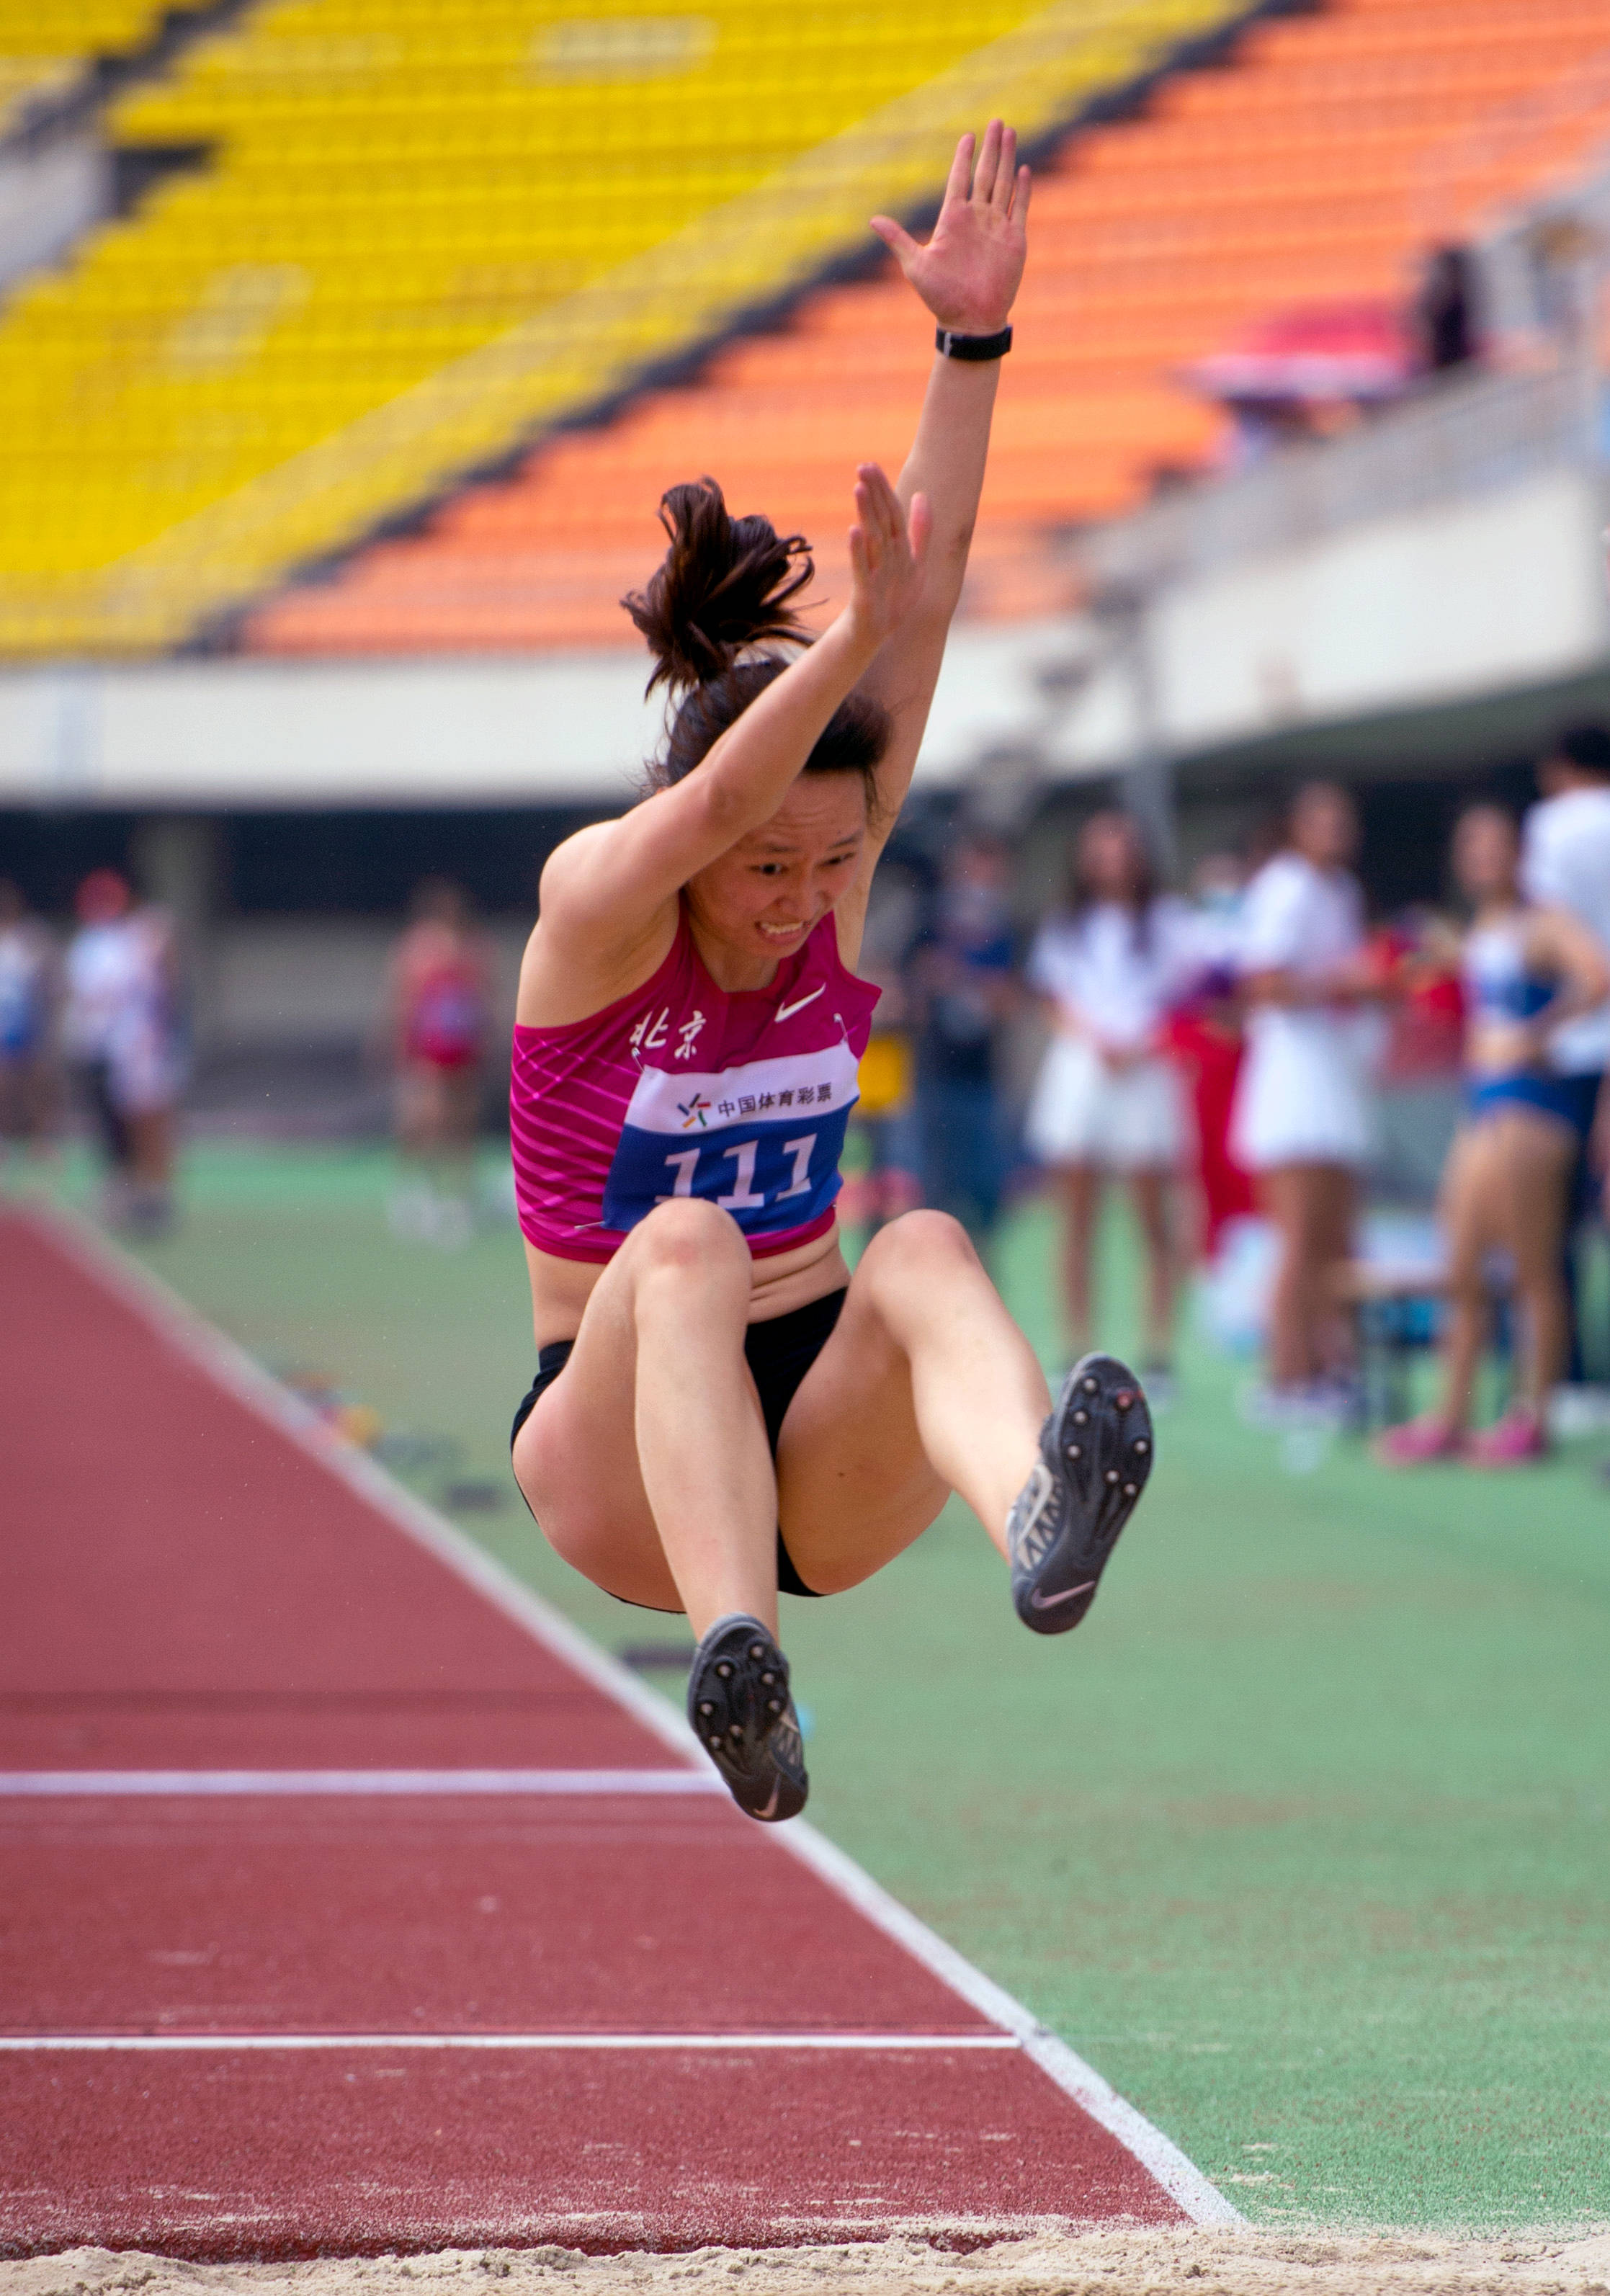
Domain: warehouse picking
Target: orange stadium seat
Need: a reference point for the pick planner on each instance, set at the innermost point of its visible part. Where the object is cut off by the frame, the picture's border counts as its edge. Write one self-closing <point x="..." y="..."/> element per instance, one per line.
<point x="422" y="231"/>
<point x="1337" y="147"/>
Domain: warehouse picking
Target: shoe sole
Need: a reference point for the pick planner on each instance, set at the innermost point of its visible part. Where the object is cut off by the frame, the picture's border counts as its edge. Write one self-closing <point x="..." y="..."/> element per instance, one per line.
<point x="738" y="1704"/>
<point x="1099" y="1443"/>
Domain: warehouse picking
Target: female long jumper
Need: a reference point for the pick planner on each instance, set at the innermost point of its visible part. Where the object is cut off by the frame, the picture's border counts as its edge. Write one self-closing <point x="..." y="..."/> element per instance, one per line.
<point x="720" y="1409"/>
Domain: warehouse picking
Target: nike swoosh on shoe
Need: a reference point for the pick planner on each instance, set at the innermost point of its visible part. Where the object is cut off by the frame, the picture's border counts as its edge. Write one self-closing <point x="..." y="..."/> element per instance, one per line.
<point x="1095" y="1456"/>
<point x="742" y="1712"/>
<point x="1049" y="1601"/>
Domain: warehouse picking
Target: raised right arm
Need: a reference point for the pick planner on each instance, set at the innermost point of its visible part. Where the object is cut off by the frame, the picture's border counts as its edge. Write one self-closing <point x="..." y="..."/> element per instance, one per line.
<point x="608" y="894"/>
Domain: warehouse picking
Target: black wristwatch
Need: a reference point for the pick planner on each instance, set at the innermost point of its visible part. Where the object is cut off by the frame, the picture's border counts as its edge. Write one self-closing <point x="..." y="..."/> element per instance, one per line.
<point x="977" y="349"/>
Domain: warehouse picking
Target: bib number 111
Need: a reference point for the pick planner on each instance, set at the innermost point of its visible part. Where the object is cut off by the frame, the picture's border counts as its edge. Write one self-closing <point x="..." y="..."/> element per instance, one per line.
<point x="743" y="1195"/>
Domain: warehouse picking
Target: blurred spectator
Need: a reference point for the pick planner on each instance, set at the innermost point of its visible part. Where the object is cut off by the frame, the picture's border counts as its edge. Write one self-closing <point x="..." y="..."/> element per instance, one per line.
<point x="122" y="1031"/>
<point x="439" y="1011"/>
<point x="885" y="1159"/>
<point x="1566" y="261"/>
<point x="1528" y="969"/>
<point x="31" y="996"/>
<point x="1565" y="863"/>
<point x="1307" y="370"/>
<point x="1303" y="1123"/>
<point x="1107" y="1102"/>
<point x="1427" y="1036"/>
<point x="1259" y="428"/>
<point x="963" y="986"/>
<point x="1204" y="1040"/>
<point x="1445" y="311"/>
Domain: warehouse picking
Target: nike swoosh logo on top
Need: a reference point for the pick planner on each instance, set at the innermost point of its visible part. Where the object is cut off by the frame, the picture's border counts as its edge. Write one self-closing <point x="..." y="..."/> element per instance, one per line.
<point x="786" y="1012"/>
<point x="1049" y="1601"/>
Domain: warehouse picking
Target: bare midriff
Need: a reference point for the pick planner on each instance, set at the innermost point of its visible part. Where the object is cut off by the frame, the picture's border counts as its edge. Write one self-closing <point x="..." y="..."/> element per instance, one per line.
<point x="782" y="1281"/>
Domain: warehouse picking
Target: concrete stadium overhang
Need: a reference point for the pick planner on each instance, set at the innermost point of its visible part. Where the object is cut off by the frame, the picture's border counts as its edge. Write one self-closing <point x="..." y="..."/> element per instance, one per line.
<point x="445" y="731"/>
<point x="1446" y="635"/>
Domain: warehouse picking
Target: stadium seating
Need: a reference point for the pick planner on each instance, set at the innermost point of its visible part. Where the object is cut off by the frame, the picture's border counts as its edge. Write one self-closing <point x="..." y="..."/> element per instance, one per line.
<point x="432" y="225"/>
<point x="1340" y="146"/>
<point x="46" y="45"/>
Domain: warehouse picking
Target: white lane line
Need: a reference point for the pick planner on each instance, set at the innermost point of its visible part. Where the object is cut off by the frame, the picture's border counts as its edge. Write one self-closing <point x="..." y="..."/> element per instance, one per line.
<point x="1178" y="2174"/>
<point x="174" y="2041"/>
<point x="191" y="1336"/>
<point x="601" y="1782"/>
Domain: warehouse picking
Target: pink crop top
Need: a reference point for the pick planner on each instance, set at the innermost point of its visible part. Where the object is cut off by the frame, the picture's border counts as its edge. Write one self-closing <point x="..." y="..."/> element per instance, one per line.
<point x="683" y="1088"/>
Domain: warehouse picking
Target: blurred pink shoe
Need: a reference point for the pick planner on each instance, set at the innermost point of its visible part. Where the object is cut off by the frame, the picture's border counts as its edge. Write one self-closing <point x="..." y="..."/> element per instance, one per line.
<point x="1519" y="1436"/>
<point x="1419" y="1440"/>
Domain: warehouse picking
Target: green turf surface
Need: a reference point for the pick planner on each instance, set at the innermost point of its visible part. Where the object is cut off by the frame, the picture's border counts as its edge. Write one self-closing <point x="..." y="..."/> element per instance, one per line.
<point x="1304" y="1840"/>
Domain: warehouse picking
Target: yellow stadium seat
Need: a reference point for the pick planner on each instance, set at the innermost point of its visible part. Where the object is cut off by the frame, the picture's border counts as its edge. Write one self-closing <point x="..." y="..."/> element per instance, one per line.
<point x="432" y="225"/>
<point x="45" y="46"/>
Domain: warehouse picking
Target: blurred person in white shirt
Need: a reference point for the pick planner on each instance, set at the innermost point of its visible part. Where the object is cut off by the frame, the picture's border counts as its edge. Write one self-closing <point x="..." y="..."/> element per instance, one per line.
<point x="1109" y="966"/>
<point x="121" y="1032"/>
<point x="1303" y="1124"/>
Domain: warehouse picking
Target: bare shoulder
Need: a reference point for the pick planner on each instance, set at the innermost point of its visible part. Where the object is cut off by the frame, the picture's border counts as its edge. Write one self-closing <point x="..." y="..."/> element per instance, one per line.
<point x="580" y="955"/>
<point x="569" y="867"/>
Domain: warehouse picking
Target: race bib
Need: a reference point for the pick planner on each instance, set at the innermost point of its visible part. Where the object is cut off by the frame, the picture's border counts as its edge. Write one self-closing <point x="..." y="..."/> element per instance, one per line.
<point x="763" y="1141"/>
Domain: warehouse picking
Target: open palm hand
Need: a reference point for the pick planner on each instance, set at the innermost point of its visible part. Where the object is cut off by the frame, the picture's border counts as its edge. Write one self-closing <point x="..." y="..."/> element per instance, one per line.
<point x="969" y="272"/>
<point x="887" y="550"/>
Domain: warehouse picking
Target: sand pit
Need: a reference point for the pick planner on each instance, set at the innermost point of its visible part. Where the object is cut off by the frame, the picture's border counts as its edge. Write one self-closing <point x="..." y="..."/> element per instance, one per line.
<point x="1108" y="2262"/>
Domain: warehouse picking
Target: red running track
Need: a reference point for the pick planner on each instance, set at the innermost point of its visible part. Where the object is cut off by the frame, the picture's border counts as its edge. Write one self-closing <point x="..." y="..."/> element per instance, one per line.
<point x="351" y="1904"/>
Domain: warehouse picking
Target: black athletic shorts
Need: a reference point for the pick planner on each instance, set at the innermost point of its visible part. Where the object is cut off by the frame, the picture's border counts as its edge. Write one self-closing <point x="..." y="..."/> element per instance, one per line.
<point x="778" y="1355"/>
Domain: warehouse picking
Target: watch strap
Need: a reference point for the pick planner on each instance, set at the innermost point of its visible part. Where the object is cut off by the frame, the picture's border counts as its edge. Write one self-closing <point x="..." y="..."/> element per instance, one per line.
<point x="976" y="349"/>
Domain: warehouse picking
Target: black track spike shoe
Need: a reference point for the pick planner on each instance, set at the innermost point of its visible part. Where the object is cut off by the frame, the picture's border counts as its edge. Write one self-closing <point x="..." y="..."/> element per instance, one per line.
<point x="744" y="1718"/>
<point x="1095" y="1454"/>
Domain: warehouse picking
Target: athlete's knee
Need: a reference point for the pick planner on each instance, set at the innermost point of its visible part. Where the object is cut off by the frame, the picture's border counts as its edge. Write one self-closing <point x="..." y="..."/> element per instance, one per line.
<point x="579" y="1538"/>
<point x="690" y="1240"/>
<point x="917" y="1243"/>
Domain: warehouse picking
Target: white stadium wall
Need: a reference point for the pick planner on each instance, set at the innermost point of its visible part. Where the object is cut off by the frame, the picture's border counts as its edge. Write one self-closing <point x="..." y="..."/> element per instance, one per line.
<point x="1443" y="605"/>
<point x="230" y="733"/>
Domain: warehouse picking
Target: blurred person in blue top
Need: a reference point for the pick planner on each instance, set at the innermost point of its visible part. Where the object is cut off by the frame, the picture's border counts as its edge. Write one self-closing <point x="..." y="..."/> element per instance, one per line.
<point x="1530" y="971"/>
<point x="1110" y="965"/>
<point x="30" y="1096"/>
<point x="964" y="984"/>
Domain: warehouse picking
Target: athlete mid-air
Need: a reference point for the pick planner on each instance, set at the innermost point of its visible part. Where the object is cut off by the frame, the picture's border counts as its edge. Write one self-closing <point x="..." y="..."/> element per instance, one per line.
<point x="720" y="1409"/>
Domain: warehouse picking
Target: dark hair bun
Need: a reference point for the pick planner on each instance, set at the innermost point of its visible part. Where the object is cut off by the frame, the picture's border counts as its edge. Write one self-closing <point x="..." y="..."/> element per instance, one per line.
<point x="723" y="585"/>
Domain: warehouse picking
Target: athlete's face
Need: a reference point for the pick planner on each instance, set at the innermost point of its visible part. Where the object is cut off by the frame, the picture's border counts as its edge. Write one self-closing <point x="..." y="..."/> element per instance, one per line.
<point x="763" y="898"/>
